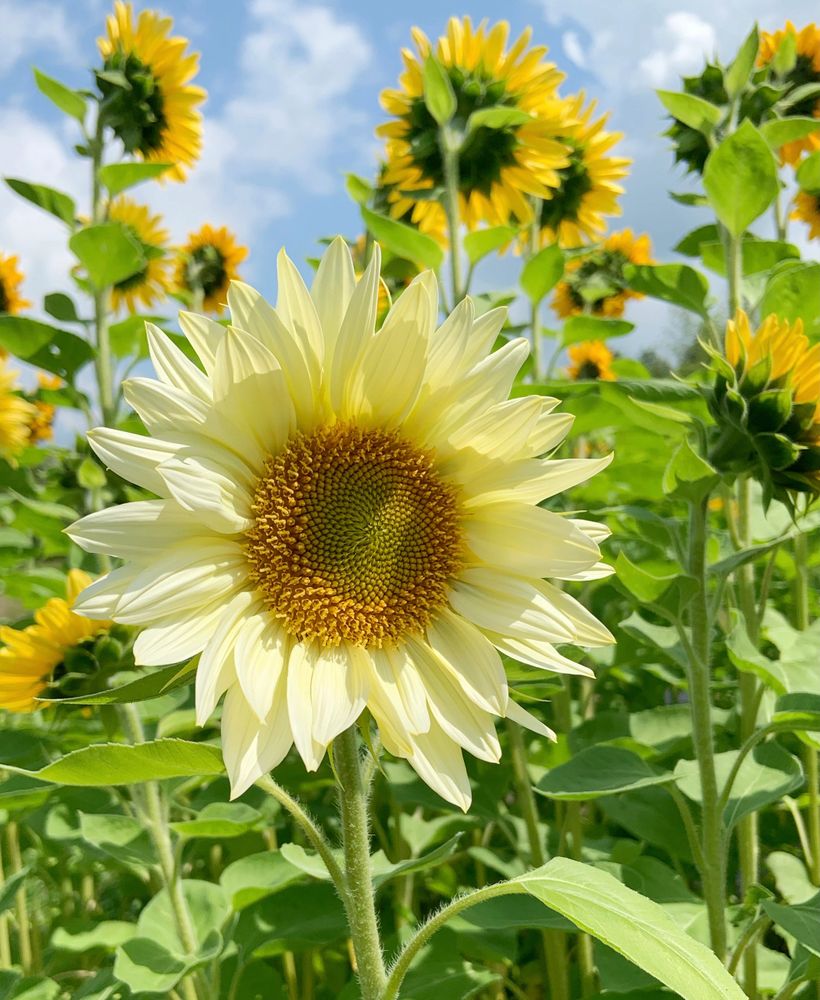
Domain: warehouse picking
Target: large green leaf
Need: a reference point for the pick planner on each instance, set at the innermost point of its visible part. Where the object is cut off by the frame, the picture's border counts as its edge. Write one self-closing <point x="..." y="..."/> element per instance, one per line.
<point x="632" y="925"/>
<point x="484" y="241"/>
<point x="679" y="284"/>
<point x="542" y="272"/>
<point x="118" y="764"/>
<point x="56" y="203"/>
<point x="150" y="685"/>
<point x="121" y="837"/>
<point x="119" y="177"/>
<point x="106" y="934"/>
<point x="802" y="921"/>
<point x="256" y="876"/>
<point x="108" y="252"/>
<point x="598" y="771"/>
<point x="740" y="178"/>
<point x="793" y="292"/>
<point x="579" y="328"/>
<point x="690" y="109"/>
<point x="403" y="240"/>
<point x="797" y="711"/>
<point x="67" y="100"/>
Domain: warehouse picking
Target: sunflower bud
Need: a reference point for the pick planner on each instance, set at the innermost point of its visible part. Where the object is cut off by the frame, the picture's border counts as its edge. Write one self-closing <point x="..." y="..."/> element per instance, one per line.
<point x="766" y="400"/>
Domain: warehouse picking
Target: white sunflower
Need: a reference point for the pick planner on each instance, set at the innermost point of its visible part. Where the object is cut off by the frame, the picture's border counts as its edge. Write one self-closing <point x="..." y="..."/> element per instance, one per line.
<point x="348" y="520"/>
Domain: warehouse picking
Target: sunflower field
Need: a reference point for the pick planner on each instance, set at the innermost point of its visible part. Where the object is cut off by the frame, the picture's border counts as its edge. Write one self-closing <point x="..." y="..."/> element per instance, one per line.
<point x="568" y="597"/>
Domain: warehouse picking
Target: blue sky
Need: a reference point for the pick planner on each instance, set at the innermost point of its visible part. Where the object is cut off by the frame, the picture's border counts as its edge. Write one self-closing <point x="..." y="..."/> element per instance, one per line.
<point x="293" y="101"/>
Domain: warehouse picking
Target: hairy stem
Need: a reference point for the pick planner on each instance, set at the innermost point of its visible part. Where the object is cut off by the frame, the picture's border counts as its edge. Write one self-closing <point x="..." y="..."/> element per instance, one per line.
<point x="449" y="155"/>
<point x="102" y="355"/>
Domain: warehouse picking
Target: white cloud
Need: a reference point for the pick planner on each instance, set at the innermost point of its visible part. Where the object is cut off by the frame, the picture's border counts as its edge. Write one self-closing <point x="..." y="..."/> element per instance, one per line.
<point x="27" y="27"/>
<point x="681" y="43"/>
<point x="571" y="44"/>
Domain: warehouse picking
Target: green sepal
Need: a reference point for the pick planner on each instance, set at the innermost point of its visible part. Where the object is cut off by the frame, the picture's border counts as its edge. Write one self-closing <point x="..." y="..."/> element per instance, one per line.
<point x="776" y="450"/>
<point x="770" y="410"/>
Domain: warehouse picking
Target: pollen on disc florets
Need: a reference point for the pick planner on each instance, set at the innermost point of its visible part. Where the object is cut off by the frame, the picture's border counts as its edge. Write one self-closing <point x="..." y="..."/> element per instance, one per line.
<point x="355" y="536"/>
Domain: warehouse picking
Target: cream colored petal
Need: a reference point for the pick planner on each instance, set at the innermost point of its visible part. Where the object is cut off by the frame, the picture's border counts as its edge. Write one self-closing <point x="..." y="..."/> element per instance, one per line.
<point x="171" y="640"/>
<point x="437" y="760"/>
<point x="135" y="457"/>
<point x="173" y="368"/>
<point x="449" y="345"/>
<point x="397" y="670"/>
<point x="338" y="690"/>
<point x="462" y="720"/>
<point x="587" y="630"/>
<point x="510" y="605"/>
<point x="300" y="365"/>
<point x="296" y="307"/>
<point x="529" y="541"/>
<point x="471" y="659"/>
<point x="538" y="653"/>
<point x="162" y="407"/>
<point x="527" y="481"/>
<point x="99" y="601"/>
<point x="216" y="671"/>
<point x="600" y="571"/>
<point x="356" y="332"/>
<point x="597" y="530"/>
<point x="502" y="431"/>
<point x="261" y="658"/>
<point x="301" y="665"/>
<point x="252" y="748"/>
<point x="549" y="431"/>
<point x="333" y="288"/>
<point x="528" y="720"/>
<point x="206" y="490"/>
<point x="205" y="335"/>
<point x="136" y="530"/>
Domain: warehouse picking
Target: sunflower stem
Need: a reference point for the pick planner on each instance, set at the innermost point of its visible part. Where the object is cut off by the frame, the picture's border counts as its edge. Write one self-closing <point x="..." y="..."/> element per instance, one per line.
<point x="21" y="899"/>
<point x="553" y="943"/>
<point x="449" y="156"/>
<point x="535" y="318"/>
<point x="102" y="356"/>
<point x="360" y="899"/>
<point x="714" y="881"/>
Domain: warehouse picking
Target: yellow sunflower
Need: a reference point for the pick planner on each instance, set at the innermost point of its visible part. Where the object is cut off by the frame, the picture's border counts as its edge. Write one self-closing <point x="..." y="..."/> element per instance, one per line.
<point x="156" y="117"/>
<point x="41" y="427"/>
<point x="208" y="263"/>
<point x="347" y="520"/>
<point x="806" y="70"/>
<point x="11" y="278"/>
<point x="30" y="655"/>
<point x="499" y="166"/>
<point x="595" y="284"/>
<point x="807" y="209"/>
<point x="16" y="414"/>
<point x="591" y="359"/>
<point x="588" y="188"/>
<point x="153" y="282"/>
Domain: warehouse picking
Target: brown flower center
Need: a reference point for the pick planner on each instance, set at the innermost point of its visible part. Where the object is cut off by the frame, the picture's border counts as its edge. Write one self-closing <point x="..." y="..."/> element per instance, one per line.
<point x="355" y="538"/>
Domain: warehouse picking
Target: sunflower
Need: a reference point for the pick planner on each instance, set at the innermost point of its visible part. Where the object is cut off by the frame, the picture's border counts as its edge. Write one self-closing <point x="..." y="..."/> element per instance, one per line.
<point x="595" y="283"/>
<point x="806" y="70"/>
<point x="41" y="427"/>
<point x="16" y="414"/>
<point x="208" y="263"/>
<point x="153" y="282"/>
<point x="591" y="359"/>
<point x="499" y="165"/>
<point x="807" y="209"/>
<point x="347" y="520"/>
<point x="29" y="656"/>
<point x="11" y="277"/>
<point x="588" y="187"/>
<point x="767" y="401"/>
<point x="156" y="115"/>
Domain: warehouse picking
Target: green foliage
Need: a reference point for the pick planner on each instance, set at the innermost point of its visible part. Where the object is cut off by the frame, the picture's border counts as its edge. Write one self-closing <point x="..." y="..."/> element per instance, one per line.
<point x="740" y="178"/>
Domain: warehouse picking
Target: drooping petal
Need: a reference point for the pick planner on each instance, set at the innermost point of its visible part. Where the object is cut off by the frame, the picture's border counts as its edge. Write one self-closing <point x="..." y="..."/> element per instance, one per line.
<point x="216" y="671"/>
<point x="251" y="748"/>
<point x="471" y="659"/>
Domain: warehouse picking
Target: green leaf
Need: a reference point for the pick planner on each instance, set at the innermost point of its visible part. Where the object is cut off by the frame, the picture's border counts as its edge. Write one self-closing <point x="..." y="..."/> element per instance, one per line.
<point x="793" y="292"/>
<point x="108" y="252"/>
<point x="151" y="685"/>
<point x="745" y="656"/>
<point x="691" y="110"/>
<point x="403" y="240"/>
<point x="439" y="96"/>
<point x="8" y="890"/>
<point x="756" y="255"/>
<point x="23" y="337"/>
<point x="107" y="934"/>
<point x="579" y="328"/>
<point x="728" y="565"/>
<point x="220" y="820"/>
<point x="66" y="99"/>
<point x="485" y="241"/>
<point x="635" y="927"/>
<point x="45" y="346"/>
<point x="54" y="202"/>
<point x="779" y="131"/>
<point x="299" y="917"/>
<point x="679" y="284"/>
<point x="90" y="474"/>
<point x="542" y="272"/>
<point x="359" y="189"/>
<point x="740" y="178"/>
<point x="646" y="586"/>
<point x="497" y="118"/>
<point x="737" y="75"/>
<point x="808" y="173"/>
<point x="119" y="764"/>
<point x="117" y="177"/>
<point x="61" y="307"/>
<point x="690" y="244"/>
<point x="146" y="966"/>
<point x="801" y="921"/>
<point x="256" y="876"/>
<point x="796" y="712"/>
<point x="121" y="837"/>
<point x="385" y="870"/>
<point x="688" y="476"/>
<point x="598" y="771"/>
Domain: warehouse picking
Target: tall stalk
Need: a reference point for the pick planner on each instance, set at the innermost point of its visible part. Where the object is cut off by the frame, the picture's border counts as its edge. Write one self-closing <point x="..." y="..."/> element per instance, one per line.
<point x="714" y="871"/>
<point x="535" y="319"/>
<point x="359" y="900"/>
<point x="102" y="354"/>
<point x="449" y="157"/>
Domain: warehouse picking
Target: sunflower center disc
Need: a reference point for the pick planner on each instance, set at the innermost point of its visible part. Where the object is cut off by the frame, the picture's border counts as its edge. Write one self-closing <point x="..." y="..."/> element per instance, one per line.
<point x="355" y="536"/>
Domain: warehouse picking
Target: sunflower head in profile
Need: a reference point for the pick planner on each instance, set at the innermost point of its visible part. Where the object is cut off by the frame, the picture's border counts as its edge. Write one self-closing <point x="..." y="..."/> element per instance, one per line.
<point x="148" y="99"/>
<point x="801" y="68"/>
<point x="501" y="164"/>
<point x="591" y="359"/>
<point x="595" y="283"/>
<point x="807" y="209"/>
<point x="151" y="284"/>
<point x="16" y="415"/>
<point x="207" y="264"/>
<point x="767" y="402"/>
<point x="30" y="658"/>
<point x="11" y="278"/>
<point x="346" y="520"/>
<point x="588" y="188"/>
